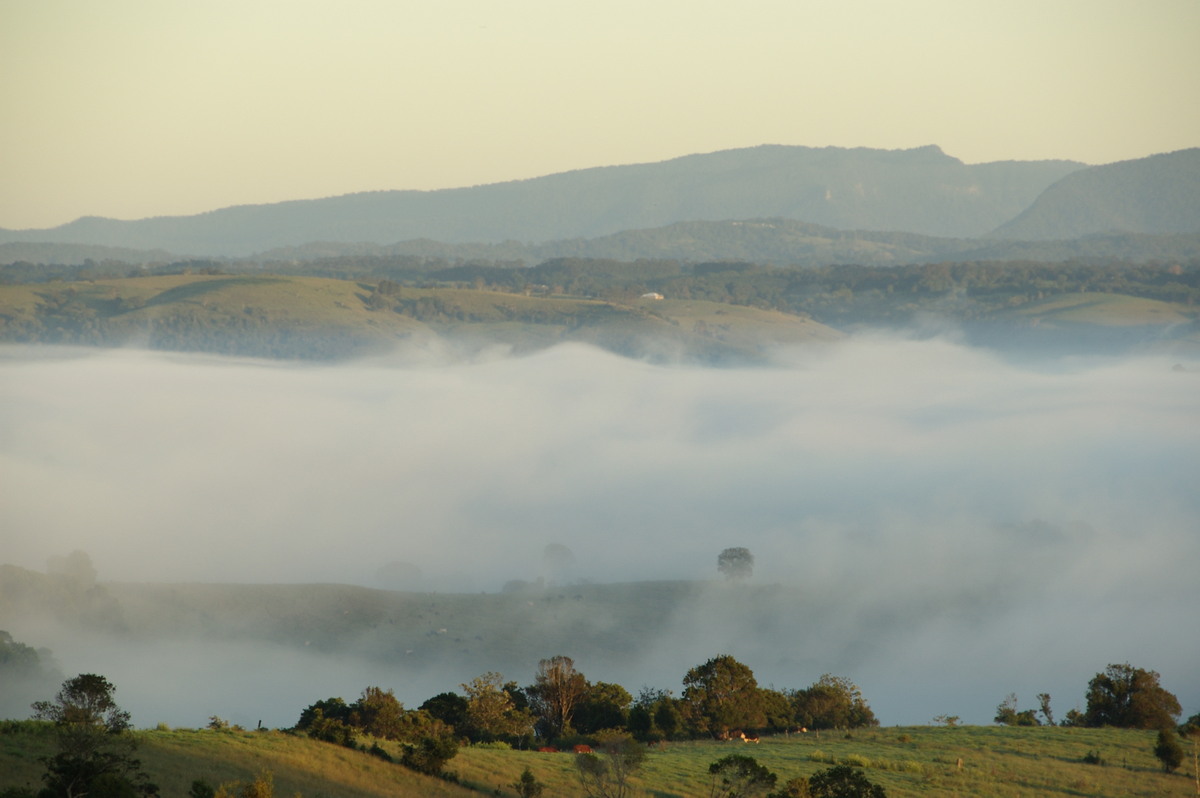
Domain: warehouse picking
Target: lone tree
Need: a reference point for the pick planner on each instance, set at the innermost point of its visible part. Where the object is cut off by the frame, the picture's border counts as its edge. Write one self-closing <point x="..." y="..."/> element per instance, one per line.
<point x="1129" y="698"/>
<point x="1047" y="712"/>
<point x="736" y="563"/>
<point x="1168" y="750"/>
<point x="95" y="749"/>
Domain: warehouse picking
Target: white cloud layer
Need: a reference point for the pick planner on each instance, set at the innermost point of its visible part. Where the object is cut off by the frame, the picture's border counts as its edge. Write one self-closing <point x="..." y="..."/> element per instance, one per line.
<point x="966" y="526"/>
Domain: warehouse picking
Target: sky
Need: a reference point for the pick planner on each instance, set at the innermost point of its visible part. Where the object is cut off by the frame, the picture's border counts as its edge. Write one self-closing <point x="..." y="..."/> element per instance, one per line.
<point x="137" y="108"/>
<point x="963" y="526"/>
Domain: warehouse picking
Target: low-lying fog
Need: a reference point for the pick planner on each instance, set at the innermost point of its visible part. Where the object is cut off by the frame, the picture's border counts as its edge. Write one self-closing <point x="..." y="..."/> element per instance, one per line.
<point x="1039" y="521"/>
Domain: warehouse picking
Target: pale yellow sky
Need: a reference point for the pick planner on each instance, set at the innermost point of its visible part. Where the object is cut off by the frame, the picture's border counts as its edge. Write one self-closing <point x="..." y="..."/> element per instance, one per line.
<point x="134" y="108"/>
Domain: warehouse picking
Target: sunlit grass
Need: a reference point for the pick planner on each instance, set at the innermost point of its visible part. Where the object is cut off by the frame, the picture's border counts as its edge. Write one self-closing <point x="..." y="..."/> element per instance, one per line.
<point x="914" y="761"/>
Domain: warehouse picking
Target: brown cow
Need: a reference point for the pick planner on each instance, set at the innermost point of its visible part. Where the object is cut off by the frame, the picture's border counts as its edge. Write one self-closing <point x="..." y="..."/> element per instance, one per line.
<point x="546" y="749"/>
<point x="583" y="749"/>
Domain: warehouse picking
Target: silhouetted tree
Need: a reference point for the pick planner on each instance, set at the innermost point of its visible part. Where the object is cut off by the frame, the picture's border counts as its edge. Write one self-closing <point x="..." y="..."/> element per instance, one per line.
<point x="449" y="708"/>
<point x="1044" y="702"/>
<point x="736" y="563"/>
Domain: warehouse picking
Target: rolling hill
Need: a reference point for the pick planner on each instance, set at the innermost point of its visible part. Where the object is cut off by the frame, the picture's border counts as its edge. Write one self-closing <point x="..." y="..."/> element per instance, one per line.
<point x="318" y="318"/>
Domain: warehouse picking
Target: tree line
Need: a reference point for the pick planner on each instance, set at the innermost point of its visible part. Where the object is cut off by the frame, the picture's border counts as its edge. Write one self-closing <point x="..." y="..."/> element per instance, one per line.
<point x="828" y="293"/>
<point x="604" y="725"/>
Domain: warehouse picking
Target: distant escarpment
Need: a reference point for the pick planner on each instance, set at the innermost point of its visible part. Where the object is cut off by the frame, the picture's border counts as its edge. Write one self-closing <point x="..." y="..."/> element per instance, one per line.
<point x="1159" y="195"/>
<point x="922" y="191"/>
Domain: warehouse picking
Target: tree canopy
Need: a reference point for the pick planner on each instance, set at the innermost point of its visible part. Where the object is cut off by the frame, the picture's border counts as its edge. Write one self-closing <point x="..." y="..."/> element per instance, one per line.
<point x="1131" y="698"/>
<point x="736" y="563"/>
<point x="720" y="695"/>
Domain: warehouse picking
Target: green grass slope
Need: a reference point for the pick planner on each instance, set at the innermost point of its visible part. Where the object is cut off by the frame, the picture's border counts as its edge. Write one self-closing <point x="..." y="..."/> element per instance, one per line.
<point x="272" y="316"/>
<point x="916" y="761"/>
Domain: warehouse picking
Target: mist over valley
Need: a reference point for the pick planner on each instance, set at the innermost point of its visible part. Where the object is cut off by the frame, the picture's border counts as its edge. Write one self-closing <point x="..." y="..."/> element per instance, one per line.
<point x="596" y="400"/>
<point x="939" y="523"/>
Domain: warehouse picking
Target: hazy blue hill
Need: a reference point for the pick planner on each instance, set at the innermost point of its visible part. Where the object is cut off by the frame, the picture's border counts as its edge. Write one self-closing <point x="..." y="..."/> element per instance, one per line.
<point x="1155" y="195"/>
<point x="73" y="254"/>
<point x="921" y="191"/>
<point x="783" y="242"/>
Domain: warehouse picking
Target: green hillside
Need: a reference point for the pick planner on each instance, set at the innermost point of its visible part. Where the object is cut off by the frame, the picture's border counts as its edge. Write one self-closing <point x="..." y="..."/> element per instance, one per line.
<point x="913" y="761"/>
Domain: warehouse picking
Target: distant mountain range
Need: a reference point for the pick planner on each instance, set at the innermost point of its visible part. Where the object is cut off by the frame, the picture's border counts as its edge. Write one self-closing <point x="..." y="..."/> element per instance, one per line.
<point x="780" y="203"/>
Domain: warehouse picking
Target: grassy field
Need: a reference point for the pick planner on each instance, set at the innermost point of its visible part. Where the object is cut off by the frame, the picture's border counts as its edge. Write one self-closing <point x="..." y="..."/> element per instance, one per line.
<point x="915" y="761"/>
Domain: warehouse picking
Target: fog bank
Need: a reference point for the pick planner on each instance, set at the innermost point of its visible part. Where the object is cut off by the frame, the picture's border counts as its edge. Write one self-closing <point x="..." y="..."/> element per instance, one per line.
<point x="965" y="527"/>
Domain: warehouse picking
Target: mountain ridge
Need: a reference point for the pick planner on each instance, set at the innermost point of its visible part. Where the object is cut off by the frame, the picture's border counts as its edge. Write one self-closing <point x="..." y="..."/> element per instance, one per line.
<point x="920" y="190"/>
<point x="1159" y="194"/>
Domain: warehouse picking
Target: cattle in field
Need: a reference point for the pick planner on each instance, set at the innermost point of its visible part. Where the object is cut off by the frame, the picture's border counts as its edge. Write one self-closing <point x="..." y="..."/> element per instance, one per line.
<point x="546" y="749"/>
<point x="583" y="749"/>
<point x="748" y="738"/>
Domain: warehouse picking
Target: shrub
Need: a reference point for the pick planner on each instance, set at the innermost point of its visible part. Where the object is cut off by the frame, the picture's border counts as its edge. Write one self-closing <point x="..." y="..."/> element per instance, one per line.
<point x="736" y="775"/>
<point x="429" y="754"/>
<point x="795" y="788"/>
<point x="843" y="782"/>
<point x="1168" y="750"/>
<point x="201" y="789"/>
<point x="376" y="751"/>
<point x="527" y="786"/>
